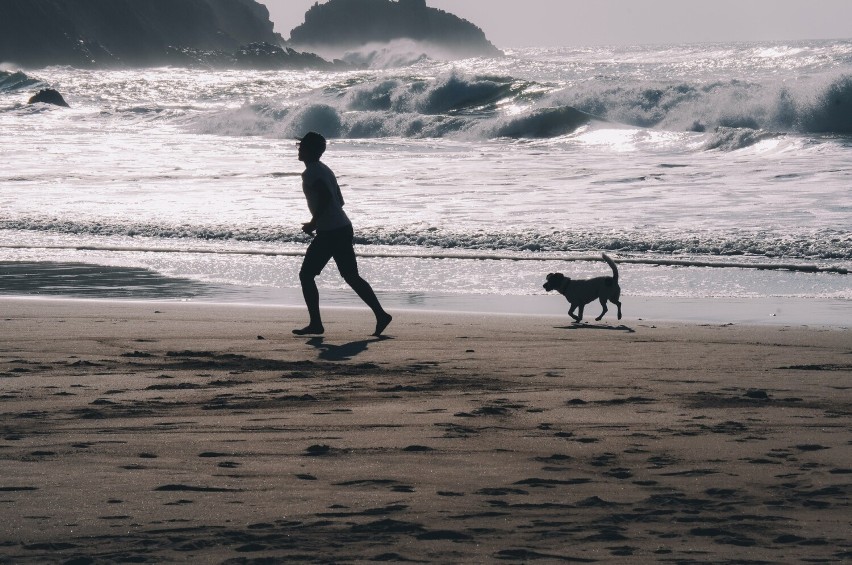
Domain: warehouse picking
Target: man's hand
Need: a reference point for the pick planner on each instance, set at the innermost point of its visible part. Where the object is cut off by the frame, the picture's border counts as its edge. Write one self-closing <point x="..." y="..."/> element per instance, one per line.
<point x="309" y="227"/>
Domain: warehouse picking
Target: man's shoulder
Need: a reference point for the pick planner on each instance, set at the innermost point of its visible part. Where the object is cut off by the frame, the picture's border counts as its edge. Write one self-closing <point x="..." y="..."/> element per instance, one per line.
<point x="315" y="169"/>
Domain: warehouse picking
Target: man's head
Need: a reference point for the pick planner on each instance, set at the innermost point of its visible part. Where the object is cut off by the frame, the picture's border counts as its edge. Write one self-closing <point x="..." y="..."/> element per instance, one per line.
<point x="311" y="146"/>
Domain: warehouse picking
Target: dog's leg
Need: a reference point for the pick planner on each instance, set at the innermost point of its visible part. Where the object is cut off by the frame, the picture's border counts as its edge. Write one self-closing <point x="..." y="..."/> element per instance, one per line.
<point x="615" y="300"/>
<point x="580" y="312"/>
<point x="603" y="305"/>
<point x="571" y="313"/>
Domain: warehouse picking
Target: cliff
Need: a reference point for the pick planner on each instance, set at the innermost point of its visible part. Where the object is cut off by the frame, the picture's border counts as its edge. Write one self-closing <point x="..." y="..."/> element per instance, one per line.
<point x="97" y="33"/>
<point x="352" y="23"/>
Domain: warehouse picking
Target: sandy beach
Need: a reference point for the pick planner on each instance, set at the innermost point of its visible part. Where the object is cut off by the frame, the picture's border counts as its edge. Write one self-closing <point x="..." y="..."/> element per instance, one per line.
<point x="162" y="432"/>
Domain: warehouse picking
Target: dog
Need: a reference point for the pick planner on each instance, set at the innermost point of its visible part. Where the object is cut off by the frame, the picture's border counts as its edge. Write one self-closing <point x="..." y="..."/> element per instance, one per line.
<point x="581" y="292"/>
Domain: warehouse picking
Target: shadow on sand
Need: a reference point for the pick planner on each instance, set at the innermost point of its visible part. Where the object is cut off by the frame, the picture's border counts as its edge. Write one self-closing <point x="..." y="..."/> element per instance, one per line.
<point x="345" y="352"/>
<point x="582" y="326"/>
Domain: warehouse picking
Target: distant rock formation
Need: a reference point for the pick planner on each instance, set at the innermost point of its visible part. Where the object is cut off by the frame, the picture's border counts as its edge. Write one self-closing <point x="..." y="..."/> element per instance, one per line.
<point x="348" y="24"/>
<point x="48" y="96"/>
<point x="267" y="56"/>
<point x="125" y="33"/>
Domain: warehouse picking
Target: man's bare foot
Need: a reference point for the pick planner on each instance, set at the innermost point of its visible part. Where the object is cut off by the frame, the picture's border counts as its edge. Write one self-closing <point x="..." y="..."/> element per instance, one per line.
<point x="310" y="329"/>
<point x="382" y="321"/>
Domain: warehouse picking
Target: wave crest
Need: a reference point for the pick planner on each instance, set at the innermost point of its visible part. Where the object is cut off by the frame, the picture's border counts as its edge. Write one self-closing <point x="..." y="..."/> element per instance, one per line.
<point x="448" y="105"/>
<point x="811" y="107"/>
<point x="733" y="138"/>
<point x="454" y="104"/>
<point x="832" y="111"/>
<point x="544" y="123"/>
<point x="11" y="81"/>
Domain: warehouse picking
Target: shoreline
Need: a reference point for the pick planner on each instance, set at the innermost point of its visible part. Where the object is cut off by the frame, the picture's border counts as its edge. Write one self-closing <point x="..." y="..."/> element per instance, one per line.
<point x="766" y="311"/>
<point x="171" y="431"/>
<point x="782" y="304"/>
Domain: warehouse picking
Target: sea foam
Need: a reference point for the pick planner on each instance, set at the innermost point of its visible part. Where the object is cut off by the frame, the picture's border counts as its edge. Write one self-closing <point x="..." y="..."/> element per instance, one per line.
<point x="488" y="107"/>
<point x="827" y="244"/>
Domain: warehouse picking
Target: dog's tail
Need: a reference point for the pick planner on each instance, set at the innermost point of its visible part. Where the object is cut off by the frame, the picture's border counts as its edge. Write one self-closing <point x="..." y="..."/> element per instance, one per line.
<point x="612" y="265"/>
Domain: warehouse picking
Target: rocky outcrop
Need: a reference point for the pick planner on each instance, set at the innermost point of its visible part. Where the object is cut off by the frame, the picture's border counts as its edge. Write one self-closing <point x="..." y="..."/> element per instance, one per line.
<point x="48" y="96"/>
<point x="98" y="33"/>
<point x="215" y="33"/>
<point x="258" y="55"/>
<point x="348" y="24"/>
<point x="267" y="56"/>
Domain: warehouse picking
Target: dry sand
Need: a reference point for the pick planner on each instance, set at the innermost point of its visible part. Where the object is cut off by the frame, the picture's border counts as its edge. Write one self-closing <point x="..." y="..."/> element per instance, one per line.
<point x="153" y="432"/>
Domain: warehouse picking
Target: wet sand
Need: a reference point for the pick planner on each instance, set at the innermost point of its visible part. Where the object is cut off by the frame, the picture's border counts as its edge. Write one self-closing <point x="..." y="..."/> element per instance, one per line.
<point x="156" y="432"/>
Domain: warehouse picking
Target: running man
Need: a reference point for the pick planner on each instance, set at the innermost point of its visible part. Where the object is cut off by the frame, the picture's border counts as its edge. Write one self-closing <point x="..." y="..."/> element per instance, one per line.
<point x="333" y="237"/>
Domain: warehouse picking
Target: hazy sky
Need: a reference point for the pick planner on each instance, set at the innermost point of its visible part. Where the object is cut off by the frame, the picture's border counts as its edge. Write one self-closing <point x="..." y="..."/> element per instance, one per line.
<point x="520" y="23"/>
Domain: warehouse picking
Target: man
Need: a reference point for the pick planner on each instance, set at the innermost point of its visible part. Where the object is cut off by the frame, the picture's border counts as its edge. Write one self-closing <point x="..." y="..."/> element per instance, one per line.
<point x="333" y="237"/>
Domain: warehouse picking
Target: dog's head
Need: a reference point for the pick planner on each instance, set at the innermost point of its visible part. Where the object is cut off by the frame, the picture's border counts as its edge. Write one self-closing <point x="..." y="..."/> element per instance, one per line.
<point x="555" y="281"/>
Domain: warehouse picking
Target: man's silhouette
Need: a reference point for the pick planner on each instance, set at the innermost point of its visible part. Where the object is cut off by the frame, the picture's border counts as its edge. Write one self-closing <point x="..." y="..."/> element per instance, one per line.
<point x="333" y="237"/>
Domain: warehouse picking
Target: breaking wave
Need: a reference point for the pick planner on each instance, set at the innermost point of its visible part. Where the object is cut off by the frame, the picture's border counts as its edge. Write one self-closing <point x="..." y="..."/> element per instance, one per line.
<point x="407" y="94"/>
<point x="450" y="105"/>
<point x="731" y="114"/>
<point x="832" y="110"/>
<point x="815" y="107"/>
<point x="731" y="139"/>
<point x="13" y="81"/>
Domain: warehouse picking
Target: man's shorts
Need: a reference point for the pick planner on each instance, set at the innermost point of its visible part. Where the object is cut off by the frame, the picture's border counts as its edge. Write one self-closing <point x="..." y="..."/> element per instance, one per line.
<point x="336" y="244"/>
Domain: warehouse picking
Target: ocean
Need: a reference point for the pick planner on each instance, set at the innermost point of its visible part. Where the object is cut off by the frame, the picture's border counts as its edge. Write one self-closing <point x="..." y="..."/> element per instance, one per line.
<point x="713" y="174"/>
